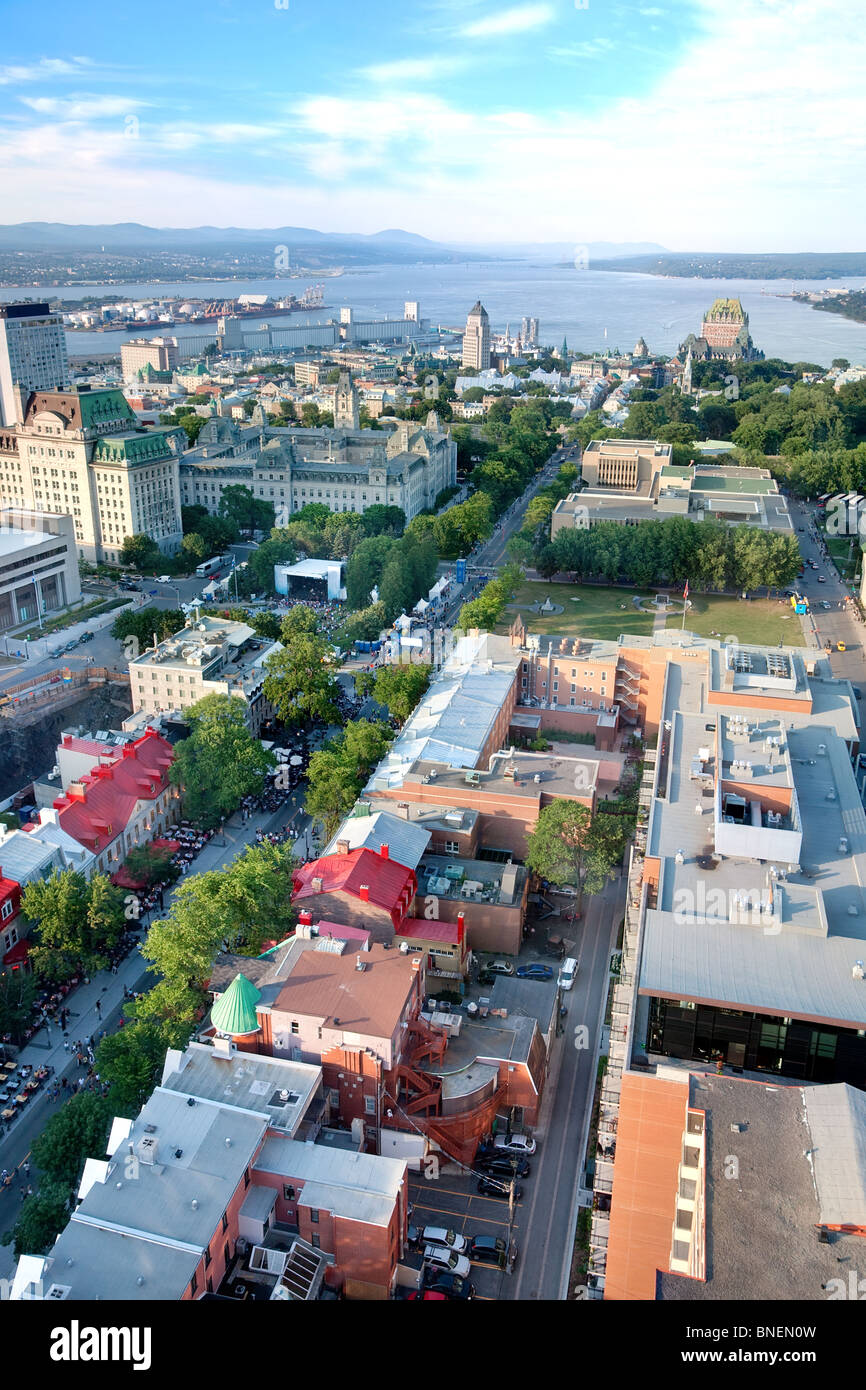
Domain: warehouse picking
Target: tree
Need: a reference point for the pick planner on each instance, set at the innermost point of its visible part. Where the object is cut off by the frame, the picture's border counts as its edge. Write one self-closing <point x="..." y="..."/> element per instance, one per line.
<point x="338" y="772"/>
<point x="195" y="546"/>
<point x="265" y="624"/>
<point x="299" y="621"/>
<point x="77" y="922"/>
<point x="238" y="908"/>
<point x="146" y="865"/>
<point x="220" y="762"/>
<point x="364" y="569"/>
<point x="400" y="688"/>
<point x="191" y="516"/>
<point x="41" y="1219"/>
<point x="300" y="684"/>
<point x="273" y="552"/>
<point x="139" y="551"/>
<point x="146" y="623"/>
<point x="366" y="624"/>
<point x="131" y="1060"/>
<point x="217" y="532"/>
<point x="379" y="519"/>
<point x="570" y="846"/>
<point x="17" y="993"/>
<point x="243" y="510"/>
<point x="78" y="1131"/>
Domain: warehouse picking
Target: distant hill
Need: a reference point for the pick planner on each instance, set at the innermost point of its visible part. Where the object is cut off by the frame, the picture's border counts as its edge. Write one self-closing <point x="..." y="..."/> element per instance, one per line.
<point x="709" y="265"/>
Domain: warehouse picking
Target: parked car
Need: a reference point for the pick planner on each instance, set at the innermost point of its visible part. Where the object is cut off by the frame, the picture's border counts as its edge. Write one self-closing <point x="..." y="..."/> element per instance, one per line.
<point x="566" y="891"/>
<point x="491" y="1187"/>
<point x="163" y="579"/>
<point x="55" y="653"/>
<point x="502" y="1165"/>
<point x="841" y="647"/>
<point x="821" y="579"/>
<point x="499" y="967"/>
<point x="536" y="971"/>
<point x="437" y="1235"/>
<point x="520" y="1144"/>
<point x="567" y="972"/>
<point x="428" y="1295"/>
<point x="86" y="637"/>
<point x="441" y="1258"/>
<point x="70" y="646"/>
<point x="452" y="1285"/>
<point x="489" y="1250"/>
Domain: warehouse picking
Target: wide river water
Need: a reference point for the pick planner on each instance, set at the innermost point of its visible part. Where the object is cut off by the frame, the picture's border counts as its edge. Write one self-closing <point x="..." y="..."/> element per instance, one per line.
<point x="592" y="309"/>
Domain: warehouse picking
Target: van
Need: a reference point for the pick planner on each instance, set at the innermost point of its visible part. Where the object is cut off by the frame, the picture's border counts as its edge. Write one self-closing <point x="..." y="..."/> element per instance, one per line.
<point x="567" y="972"/>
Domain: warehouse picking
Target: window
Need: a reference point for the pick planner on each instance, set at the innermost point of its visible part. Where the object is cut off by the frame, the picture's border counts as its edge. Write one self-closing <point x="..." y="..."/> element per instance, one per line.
<point x="225" y="1221"/>
<point x="6" y="910"/>
<point x="296" y="1027"/>
<point x="247" y="1178"/>
<point x="314" y="1215"/>
<point x="370" y="1105"/>
<point x="207" y="1258"/>
<point x="315" y="1242"/>
<point x="193" y="1284"/>
<point x="288" y="1193"/>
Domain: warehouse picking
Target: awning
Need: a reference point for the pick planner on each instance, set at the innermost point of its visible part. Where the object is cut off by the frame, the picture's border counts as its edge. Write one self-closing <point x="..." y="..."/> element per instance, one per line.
<point x="170" y="845"/>
<point x="17" y="954"/>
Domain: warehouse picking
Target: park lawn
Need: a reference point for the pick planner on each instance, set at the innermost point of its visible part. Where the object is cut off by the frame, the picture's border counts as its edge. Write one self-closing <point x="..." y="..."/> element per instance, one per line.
<point x="600" y="613"/>
<point x="757" y="621"/>
<point x="845" y="556"/>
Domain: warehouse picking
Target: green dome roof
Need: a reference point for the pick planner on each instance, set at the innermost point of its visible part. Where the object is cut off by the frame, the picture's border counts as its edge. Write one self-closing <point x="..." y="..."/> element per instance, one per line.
<point x="235" y="1010"/>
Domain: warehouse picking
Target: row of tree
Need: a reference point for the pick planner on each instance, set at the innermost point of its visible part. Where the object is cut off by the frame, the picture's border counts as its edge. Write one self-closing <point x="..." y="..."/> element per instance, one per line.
<point x="401" y="571"/>
<point x="487" y="609"/>
<point x="710" y="555"/>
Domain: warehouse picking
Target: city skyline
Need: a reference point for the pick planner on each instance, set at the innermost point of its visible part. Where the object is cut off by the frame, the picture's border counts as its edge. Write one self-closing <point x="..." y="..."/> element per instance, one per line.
<point x="470" y="109"/>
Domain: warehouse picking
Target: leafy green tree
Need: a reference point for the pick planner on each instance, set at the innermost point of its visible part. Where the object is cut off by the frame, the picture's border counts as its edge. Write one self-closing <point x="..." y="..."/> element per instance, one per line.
<point x="299" y="621"/>
<point x="217" y="532"/>
<point x="366" y="624"/>
<point x="300" y="684"/>
<point x="569" y="846"/>
<point x="220" y="763"/>
<point x="139" y="551"/>
<point x="145" y="623"/>
<point x="265" y="624"/>
<point x="245" y="511"/>
<point x="17" y="993"/>
<point x="78" y="1131"/>
<point x="77" y="922"/>
<point x="41" y="1219"/>
<point x="147" y="865"/>
<point x="195" y="546"/>
<point x="379" y="519"/>
<point x="131" y="1061"/>
<point x="399" y="688"/>
<point x="191" y="516"/>
<point x="280" y="551"/>
<point x="365" y="567"/>
<point x="339" y="771"/>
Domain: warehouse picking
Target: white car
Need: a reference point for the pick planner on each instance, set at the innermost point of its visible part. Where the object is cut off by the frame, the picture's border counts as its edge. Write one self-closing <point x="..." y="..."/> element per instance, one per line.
<point x="515" y="1144"/>
<point x="439" y="1235"/>
<point x="499" y="967"/>
<point x="441" y="1258"/>
<point x="567" y="972"/>
<point x="164" y="579"/>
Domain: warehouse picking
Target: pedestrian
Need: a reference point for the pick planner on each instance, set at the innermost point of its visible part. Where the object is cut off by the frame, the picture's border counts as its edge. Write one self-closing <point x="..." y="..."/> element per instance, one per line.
<point x="66" y="1044"/>
<point x="25" y="1168"/>
<point x="65" y="1084"/>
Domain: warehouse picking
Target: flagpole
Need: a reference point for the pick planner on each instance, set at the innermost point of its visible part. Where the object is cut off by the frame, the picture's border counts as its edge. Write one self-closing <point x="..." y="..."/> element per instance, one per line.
<point x="685" y="605"/>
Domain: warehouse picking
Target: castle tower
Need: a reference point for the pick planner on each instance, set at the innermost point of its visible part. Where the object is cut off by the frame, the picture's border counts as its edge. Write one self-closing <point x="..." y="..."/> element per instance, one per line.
<point x="346" y="410"/>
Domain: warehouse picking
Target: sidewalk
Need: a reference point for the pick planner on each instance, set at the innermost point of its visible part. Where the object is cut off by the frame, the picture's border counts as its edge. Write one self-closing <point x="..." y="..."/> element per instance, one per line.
<point x="46" y="1046"/>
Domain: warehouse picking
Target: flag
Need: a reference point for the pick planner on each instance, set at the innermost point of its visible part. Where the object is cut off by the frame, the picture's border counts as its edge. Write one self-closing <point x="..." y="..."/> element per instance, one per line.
<point x="686" y="590"/>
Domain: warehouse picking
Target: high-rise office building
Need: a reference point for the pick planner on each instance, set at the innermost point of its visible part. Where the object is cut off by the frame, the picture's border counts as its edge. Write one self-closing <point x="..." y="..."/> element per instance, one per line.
<point x="32" y="356"/>
<point x="476" y="339"/>
<point x="159" y="353"/>
<point x="529" y="332"/>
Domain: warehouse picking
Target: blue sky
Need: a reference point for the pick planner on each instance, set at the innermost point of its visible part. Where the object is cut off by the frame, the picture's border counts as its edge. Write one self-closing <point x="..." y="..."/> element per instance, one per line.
<point x="703" y="125"/>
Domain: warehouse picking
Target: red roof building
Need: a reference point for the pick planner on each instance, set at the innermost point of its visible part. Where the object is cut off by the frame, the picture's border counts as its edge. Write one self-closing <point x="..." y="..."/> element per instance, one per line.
<point x="359" y="889"/>
<point x="123" y="802"/>
<point x="10" y="906"/>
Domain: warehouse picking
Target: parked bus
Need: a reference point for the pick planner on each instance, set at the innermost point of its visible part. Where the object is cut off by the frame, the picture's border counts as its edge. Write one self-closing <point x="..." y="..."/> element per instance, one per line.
<point x="214" y="564"/>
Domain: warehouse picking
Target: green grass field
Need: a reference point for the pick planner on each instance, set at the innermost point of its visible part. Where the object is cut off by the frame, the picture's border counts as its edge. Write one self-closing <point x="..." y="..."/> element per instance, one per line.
<point x="597" y="612"/>
<point x="757" y="621"/>
<point x="606" y="613"/>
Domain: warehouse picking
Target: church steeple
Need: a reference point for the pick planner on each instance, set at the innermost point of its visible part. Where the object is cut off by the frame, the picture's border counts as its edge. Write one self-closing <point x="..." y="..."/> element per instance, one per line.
<point x="346" y="409"/>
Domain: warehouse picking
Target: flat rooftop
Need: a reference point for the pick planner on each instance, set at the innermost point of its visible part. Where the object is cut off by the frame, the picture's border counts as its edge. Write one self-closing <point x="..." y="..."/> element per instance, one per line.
<point x="247" y="1081"/>
<point x="794" y="954"/>
<point x="471" y="880"/>
<point x="363" y="1187"/>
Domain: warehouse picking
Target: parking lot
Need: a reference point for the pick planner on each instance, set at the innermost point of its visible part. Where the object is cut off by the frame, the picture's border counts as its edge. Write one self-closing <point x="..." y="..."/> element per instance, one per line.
<point x="451" y="1200"/>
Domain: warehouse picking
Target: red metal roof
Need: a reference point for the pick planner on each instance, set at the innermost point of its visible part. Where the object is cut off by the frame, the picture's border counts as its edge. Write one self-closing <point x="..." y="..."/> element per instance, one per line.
<point x="419" y="929"/>
<point x="103" y="806"/>
<point x="392" y="886"/>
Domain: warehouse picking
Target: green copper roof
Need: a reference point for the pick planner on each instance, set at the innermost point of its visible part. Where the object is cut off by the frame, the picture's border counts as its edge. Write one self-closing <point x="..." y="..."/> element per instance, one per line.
<point x="98" y="406"/>
<point x="235" y="1010"/>
<point x="141" y="447"/>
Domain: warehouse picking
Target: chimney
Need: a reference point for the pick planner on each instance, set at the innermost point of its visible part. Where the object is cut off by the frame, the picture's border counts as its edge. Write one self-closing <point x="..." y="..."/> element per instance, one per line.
<point x="403" y="809"/>
<point x="384" y="851"/>
<point x="364" y="892"/>
<point x="305" y="918"/>
<point x="461" y="925"/>
<point x="342" y="846"/>
<point x="316" y="884"/>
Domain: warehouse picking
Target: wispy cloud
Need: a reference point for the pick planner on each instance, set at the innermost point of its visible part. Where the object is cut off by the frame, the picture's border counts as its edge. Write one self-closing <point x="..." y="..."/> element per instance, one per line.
<point x="515" y="21"/>
<point x="84" y="107"/>
<point x="414" y="69"/>
<point x="588" y="48"/>
<point x="44" y="68"/>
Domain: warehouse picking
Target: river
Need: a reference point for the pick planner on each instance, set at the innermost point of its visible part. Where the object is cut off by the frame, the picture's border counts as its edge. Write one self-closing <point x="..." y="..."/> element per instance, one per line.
<point x="592" y="309"/>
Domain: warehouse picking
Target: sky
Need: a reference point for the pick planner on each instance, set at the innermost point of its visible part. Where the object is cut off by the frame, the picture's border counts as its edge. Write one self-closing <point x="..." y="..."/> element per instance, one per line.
<point x="714" y="125"/>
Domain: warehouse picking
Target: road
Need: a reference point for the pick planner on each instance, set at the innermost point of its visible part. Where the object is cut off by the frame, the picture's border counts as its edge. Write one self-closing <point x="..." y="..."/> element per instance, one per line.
<point x="549" y="1215"/>
<point x="841" y="622"/>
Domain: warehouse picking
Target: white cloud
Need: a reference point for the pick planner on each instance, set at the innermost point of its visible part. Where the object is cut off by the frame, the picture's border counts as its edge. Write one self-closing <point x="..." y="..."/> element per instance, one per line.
<point x="45" y="67"/>
<point x="516" y="21"/>
<point x="413" y="69"/>
<point x="83" y="108"/>
<point x="726" y="150"/>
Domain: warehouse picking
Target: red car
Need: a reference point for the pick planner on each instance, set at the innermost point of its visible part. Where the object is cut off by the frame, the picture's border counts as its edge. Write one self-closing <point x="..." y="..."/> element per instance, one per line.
<point x="429" y="1295"/>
